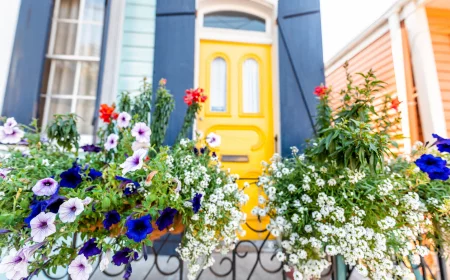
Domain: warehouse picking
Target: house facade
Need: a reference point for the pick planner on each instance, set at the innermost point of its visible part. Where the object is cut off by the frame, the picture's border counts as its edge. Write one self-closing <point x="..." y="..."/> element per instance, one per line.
<point x="409" y="49"/>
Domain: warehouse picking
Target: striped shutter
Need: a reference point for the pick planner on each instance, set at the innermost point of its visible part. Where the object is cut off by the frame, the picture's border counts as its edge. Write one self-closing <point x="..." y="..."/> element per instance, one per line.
<point x="174" y="55"/>
<point x="301" y="69"/>
<point x="27" y="60"/>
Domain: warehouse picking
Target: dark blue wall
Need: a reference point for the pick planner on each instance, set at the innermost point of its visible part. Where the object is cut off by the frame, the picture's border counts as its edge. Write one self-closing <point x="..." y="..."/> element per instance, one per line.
<point x="27" y="60"/>
<point x="301" y="69"/>
<point x="174" y="55"/>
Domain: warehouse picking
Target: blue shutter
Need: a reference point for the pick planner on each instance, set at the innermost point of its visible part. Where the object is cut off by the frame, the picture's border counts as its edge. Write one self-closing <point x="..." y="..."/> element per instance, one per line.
<point x="301" y="69"/>
<point x="27" y="60"/>
<point x="101" y="68"/>
<point x="174" y="55"/>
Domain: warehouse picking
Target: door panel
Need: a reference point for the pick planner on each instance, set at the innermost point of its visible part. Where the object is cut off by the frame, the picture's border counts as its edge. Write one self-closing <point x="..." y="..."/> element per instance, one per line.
<point x="243" y="117"/>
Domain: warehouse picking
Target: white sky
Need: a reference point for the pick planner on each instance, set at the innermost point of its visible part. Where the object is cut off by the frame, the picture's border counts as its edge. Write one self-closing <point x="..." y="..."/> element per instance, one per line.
<point x="343" y="20"/>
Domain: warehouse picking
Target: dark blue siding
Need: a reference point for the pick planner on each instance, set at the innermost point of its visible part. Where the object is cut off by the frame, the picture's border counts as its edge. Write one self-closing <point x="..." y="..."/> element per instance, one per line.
<point x="301" y="69"/>
<point x="174" y="54"/>
<point x="27" y="61"/>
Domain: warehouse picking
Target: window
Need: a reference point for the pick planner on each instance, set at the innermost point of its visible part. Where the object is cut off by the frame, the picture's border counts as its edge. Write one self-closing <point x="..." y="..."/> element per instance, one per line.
<point x="250" y="86"/>
<point x="70" y="77"/>
<point x="218" y="85"/>
<point x="234" y="20"/>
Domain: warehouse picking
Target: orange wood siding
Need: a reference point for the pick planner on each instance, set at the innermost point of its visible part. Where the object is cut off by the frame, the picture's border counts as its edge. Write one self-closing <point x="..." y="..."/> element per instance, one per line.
<point x="378" y="57"/>
<point x="439" y="22"/>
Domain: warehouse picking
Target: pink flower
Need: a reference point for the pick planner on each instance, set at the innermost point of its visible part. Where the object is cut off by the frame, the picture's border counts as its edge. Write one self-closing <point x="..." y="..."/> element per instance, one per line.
<point x="123" y="120"/>
<point x="213" y="140"/>
<point x="42" y="225"/>
<point x="69" y="210"/>
<point x="142" y="132"/>
<point x="47" y="186"/>
<point x="4" y="172"/>
<point x="10" y="135"/>
<point x="111" y="141"/>
<point x="79" y="268"/>
<point x="134" y="162"/>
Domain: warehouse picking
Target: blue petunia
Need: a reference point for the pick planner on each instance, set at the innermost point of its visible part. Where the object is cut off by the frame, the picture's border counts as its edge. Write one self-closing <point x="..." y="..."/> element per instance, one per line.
<point x="111" y="218"/>
<point x="128" y="271"/>
<point x="91" y="148"/>
<point x="54" y="202"/>
<point x="124" y="256"/>
<point x="90" y="248"/>
<point x="442" y="144"/>
<point x="36" y="208"/>
<point x="71" y="178"/>
<point x="166" y="218"/>
<point x="196" y="202"/>
<point x="138" y="229"/>
<point x="129" y="186"/>
<point x="94" y="174"/>
<point x="435" y="167"/>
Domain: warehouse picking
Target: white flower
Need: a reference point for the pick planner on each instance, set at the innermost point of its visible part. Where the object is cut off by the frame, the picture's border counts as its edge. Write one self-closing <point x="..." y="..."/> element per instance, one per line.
<point x="42" y="225"/>
<point x="301" y="157"/>
<point x="140" y="145"/>
<point x="86" y="201"/>
<point x="15" y="265"/>
<point x="320" y="182"/>
<point x="45" y="162"/>
<point x="69" y="210"/>
<point x="9" y="125"/>
<point x="293" y="258"/>
<point x="104" y="263"/>
<point x="292" y="188"/>
<point x="79" y="268"/>
<point x="332" y="182"/>
<point x="213" y="140"/>
<point x="123" y="120"/>
<point x="323" y="169"/>
<point x="134" y="162"/>
<point x="308" y="228"/>
<point x="281" y="256"/>
<point x="141" y="132"/>
<point x="298" y="275"/>
<point x="10" y="135"/>
<point x="111" y="141"/>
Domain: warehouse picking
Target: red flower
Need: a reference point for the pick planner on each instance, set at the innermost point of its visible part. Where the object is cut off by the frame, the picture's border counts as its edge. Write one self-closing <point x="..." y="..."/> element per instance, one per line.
<point x="107" y="113"/>
<point x="194" y="96"/>
<point x="321" y="91"/>
<point x="395" y="103"/>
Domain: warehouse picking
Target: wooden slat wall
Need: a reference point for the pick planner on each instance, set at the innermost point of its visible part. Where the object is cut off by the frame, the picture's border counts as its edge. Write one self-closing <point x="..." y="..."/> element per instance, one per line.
<point x="378" y="57"/>
<point x="439" y="22"/>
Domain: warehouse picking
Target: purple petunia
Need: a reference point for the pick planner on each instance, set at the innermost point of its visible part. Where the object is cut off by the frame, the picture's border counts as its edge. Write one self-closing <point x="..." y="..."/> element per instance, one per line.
<point x="47" y="186"/>
<point x="138" y="229"/>
<point x="141" y="132"/>
<point x="135" y="162"/>
<point x="124" y="256"/>
<point x="42" y="225"/>
<point x="435" y="167"/>
<point x="128" y="271"/>
<point x="90" y="248"/>
<point x="166" y="218"/>
<point x="111" y="218"/>
<point x="123" y="120"/>
<point x="91" y="148"/>
<point x="196" y="202"/>
<point x="71" y="178"/>
<point x="442" y="144"/>
<point x="111" y="141"/>
<point x="36" y="208"/>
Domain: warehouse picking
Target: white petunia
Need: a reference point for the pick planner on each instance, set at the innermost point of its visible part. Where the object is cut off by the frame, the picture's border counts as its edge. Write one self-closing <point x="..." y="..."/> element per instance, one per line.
<point x="79" y="268"/>
<point x="42" y="225"/>
<point x="123" y="120"/>
<point x="135" y="162"/>
<point x="69" y="210"/>
<point x="213" y="140"/>
<point x="141" y="132"/>
<point x="106" y="259"/>
<point x="111" y="141"/>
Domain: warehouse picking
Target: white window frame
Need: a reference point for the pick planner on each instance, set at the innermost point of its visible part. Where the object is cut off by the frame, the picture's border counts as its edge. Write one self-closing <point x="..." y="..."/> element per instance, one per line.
<point x="79" y="59"/>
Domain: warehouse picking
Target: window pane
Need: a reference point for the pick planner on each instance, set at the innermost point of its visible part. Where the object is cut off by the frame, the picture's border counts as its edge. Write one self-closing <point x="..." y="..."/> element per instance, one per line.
<point x="90" y="40"/>
<point x="88" y="78"/>
<point x="85" y="110"/>
<point x="234" y="20"/>
<point x="69" y="9"/>
<point x="64" y="77"/>
<point x="59" y="106"/>
<point x="218" y="85"/>
<point x="94" y="10"/>
<point x="65" y="38"/>
<point x="250" y="84"/>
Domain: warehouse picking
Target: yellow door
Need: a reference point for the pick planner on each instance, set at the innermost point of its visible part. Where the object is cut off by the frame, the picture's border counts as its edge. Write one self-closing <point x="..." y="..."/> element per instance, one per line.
<point x="237" y="79"/>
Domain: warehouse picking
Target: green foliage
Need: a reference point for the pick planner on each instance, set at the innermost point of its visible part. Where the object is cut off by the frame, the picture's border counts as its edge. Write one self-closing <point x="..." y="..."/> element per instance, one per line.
<point x="163" y="108"/>
<point x="188" y="122"/>
<point x="63" y="130"/>
<point x="356" y="134"/>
